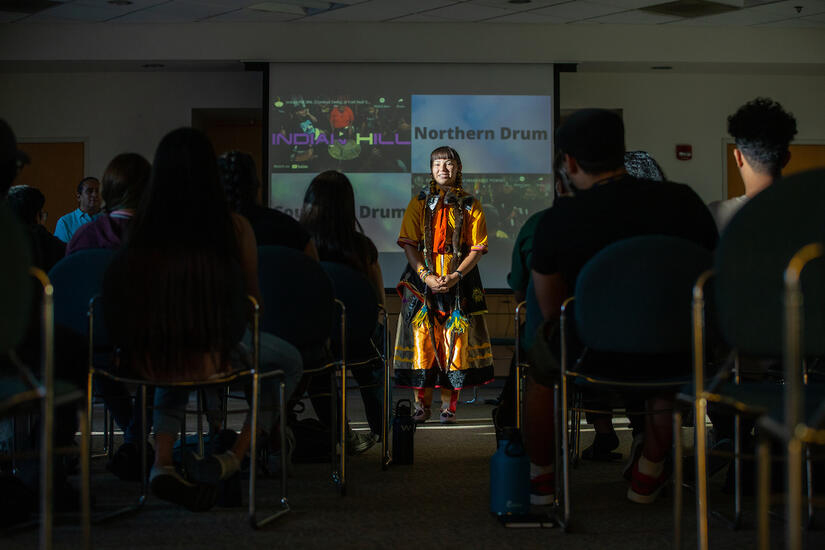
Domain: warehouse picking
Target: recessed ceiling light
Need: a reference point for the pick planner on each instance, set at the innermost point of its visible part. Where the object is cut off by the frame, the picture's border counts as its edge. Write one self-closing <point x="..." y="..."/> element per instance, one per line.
<point x="120" y="2"/>
<point x="519" y="1"/>
<point x="661" y="67"/>
<point x="153" y="65"/>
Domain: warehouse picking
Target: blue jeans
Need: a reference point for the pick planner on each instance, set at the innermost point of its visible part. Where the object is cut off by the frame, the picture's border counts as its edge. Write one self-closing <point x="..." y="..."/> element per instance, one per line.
<point x="276" y="354"/>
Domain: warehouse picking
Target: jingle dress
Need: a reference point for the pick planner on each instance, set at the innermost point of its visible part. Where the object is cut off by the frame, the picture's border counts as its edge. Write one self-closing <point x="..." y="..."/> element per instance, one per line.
<point x="442" y="339"/>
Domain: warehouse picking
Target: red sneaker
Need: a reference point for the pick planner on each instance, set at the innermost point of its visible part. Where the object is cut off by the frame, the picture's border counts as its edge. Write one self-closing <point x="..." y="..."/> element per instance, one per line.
<point x="543" y="489"/>
<point x="644" y="488"/>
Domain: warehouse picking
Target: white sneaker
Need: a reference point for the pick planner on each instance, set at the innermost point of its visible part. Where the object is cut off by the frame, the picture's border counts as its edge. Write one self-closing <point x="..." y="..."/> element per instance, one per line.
<point x="421" y="415"/>
<point x="447" y="417"/>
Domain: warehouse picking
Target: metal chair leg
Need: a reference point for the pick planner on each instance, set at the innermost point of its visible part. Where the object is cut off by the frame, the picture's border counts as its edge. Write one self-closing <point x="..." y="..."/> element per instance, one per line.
<point x="737" y="470"/>
<point x="794" y="490"/>
<point x="763" y="464"/>
<point x="342" y="467"/>
<point x="678" y="477"/>
<point x="700" y="447"/>
<point x="253" y="469"/>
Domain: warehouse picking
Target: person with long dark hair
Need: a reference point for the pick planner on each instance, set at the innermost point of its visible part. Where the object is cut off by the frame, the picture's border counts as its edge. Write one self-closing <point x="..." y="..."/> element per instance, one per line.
<point x="328" y="214"/>
<point x="122" y="185"/>
<point x="442" y="338"/>
<point x="175" y="303"/>
<point x="272" y="227"/>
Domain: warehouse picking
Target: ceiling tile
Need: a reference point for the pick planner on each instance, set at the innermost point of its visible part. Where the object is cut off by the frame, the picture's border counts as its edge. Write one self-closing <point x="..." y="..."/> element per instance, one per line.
<point x="253" y="16"/>
<point x="635" y="17"/>
<point x="741" y="18"/>
<point x="788" y="8"/>
<point x="799" y="23"/>
<point x="380" y="10"/>
<point x="419" y="18"/>
<point x="506" y="5"/>
<point x="629" y="4"/>
<point x="468" y="12"/>
<point x="574" y="11"/>
<point x="175" y="11"/>
<point x="80" y="12"/>
<point x="528" y="17"/>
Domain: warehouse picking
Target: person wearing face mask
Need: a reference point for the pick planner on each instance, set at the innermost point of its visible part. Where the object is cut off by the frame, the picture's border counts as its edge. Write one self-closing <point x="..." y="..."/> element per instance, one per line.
<point x="442" y="339"/>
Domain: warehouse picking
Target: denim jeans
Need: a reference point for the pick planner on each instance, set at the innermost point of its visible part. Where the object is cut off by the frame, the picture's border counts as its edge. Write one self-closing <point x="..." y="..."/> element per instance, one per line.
<point x="276" y="354"/>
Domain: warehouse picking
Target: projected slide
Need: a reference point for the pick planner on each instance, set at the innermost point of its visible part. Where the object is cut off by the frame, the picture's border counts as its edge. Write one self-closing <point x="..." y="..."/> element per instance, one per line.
<point x="351" y="134"/>
<point x="383" y="143"/>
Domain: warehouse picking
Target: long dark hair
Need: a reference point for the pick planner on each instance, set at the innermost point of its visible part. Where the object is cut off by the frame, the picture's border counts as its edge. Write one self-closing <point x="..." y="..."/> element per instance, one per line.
<point x="124" y="180"/>
<point x="329" y="216"/>
<point x="177" y="280"/>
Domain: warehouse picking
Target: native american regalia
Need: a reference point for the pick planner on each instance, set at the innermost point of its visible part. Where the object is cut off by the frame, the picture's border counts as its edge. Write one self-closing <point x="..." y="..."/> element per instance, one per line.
<point x="442" y="339"/>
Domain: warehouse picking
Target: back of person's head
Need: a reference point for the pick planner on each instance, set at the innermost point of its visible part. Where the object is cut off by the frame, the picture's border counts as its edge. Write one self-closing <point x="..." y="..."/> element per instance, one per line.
<point x="26" y="202"/>
<point x="762" y="130"/>
<point x="240" y="179"/>
<point x="640" y="164"/>
<point x="595" y="138"/>
<point x="177" y="278"/>
<point x="124" y="180"/>
<point x="11" y="158"/>
<point x="329" y="216"/>
<point x="184" y="206"/>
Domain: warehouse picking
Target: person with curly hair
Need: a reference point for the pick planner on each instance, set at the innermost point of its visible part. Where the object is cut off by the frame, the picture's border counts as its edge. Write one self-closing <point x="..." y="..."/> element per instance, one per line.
<point x="762" y="130"/>
<point x="442" y="338"/>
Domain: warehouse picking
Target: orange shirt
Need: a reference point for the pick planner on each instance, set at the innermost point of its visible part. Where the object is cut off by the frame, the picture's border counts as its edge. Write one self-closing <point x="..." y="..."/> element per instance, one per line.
<point x="474" y="230"/>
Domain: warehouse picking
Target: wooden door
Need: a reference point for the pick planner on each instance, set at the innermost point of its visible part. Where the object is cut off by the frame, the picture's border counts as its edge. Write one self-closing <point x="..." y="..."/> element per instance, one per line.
<point x="803" y="157"/>
<point x="55" y="169"/>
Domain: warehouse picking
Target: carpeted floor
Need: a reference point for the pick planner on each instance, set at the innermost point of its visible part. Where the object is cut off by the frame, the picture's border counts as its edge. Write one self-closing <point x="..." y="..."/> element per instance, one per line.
<point x="441" y="501"/>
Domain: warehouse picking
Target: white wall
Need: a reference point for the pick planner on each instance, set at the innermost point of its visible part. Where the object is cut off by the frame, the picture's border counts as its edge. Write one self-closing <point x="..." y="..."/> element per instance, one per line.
<point x="661" y="110"/>
<point x="117" y="112"/>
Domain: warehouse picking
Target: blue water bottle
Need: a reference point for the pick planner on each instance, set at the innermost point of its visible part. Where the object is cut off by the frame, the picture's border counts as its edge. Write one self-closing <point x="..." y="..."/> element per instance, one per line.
<point x="510" y="477"/>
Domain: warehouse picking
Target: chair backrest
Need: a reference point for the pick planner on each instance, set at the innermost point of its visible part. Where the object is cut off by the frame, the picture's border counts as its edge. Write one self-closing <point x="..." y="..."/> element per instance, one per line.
<point x="358" y="295"/>
<point x="753" y="252"/>
<point x="15" y="284"/>
<point x="634" y="296"/>
<point x="298" y="297"/>
<point x="77" y="279"/>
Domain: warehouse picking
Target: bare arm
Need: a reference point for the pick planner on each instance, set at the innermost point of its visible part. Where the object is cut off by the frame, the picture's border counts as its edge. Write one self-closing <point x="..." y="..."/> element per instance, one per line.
<point x="551" y="291"/>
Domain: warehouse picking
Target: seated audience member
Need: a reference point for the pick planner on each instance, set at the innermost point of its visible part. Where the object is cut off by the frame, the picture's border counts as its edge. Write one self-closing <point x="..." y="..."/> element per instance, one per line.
<point x="641" y="165"/>
<point x="121" y="189"/>
<point x="271" y="227"/>
<point x="88" y="200"/>
<point x="70" y="365"/>
<point x="122" y="186"/>
<point x="762" y="131"/>
<point x="607" y="206"/>
<point x="518" y="279"/>
<point x="172" y="299"/>
<point x="27" y="203"/>
<point x="328" y="215"/>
